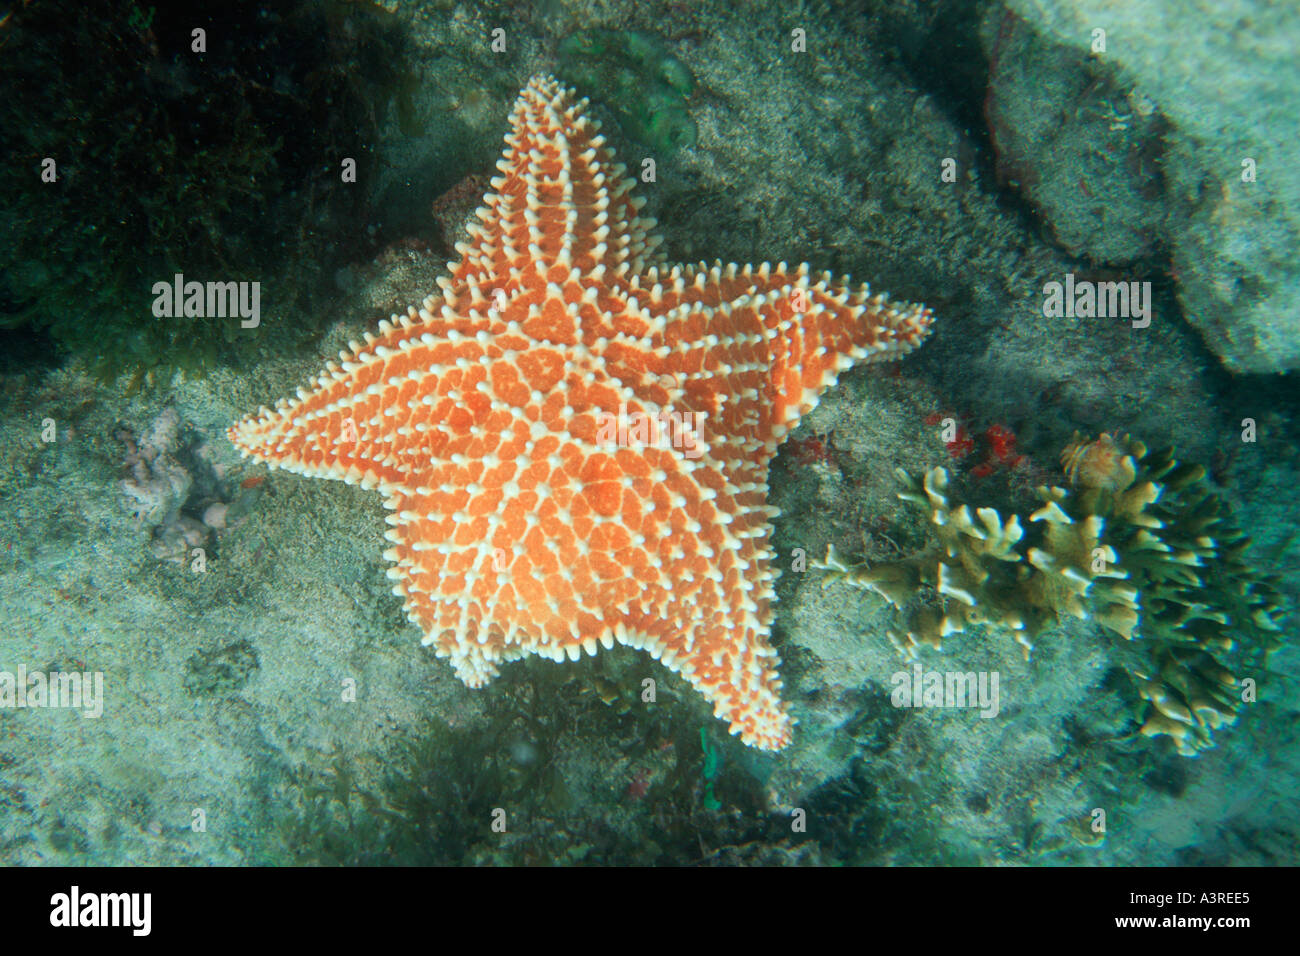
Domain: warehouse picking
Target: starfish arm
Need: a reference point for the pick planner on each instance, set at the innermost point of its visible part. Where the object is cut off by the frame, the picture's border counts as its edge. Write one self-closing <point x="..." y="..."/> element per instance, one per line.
<point x="407" y="381"/>
<point x="729" y="662"/>
<point x="562" y="201"/>
<point x="779" y="333"/>
<point x="705" y="597"/>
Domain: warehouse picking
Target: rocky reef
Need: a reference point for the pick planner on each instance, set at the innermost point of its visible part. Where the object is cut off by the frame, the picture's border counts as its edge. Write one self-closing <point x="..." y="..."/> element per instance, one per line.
<point x="1133" y="145"/>
<point x="281" y="690"/>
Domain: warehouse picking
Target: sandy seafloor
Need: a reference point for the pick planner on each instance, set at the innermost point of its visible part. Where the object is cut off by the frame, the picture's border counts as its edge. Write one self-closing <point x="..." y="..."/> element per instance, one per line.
<point x="224" y="689"/>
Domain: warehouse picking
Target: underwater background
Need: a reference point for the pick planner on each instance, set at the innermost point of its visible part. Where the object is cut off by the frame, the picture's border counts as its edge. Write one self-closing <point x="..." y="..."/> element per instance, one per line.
<point x="267" y="702"/>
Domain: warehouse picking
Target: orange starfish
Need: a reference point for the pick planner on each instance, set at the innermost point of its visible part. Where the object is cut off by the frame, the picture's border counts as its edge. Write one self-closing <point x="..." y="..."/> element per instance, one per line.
<point x="573" y="438"/>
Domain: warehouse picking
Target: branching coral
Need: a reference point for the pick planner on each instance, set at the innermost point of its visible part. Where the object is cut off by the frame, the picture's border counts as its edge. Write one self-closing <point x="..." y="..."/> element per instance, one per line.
<point x="1138" y="543"/>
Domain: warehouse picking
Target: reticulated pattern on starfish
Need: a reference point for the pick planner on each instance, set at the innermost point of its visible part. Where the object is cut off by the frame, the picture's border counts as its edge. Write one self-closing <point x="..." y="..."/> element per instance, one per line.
<point x="573" y="437"/>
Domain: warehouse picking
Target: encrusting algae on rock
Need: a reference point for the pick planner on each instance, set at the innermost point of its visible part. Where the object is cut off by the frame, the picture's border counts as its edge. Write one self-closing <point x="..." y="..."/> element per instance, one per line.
<point x="635" y="75"/>
<point x="1138" y="543"/>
